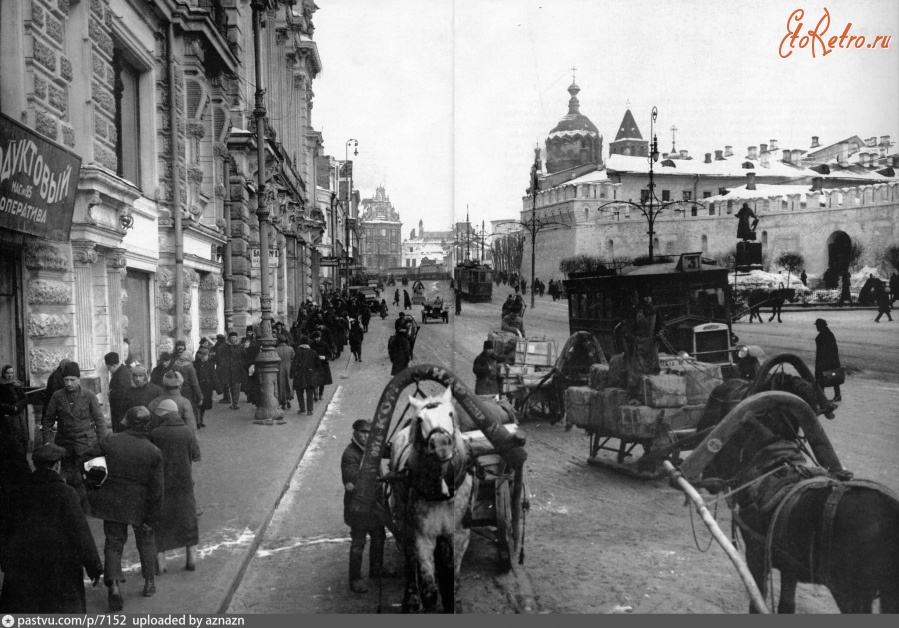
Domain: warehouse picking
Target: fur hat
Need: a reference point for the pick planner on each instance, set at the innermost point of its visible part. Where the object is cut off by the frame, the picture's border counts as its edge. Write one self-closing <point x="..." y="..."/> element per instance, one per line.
<point x="358" y="424"/>
<point x="71" y="370"/>
<point x="140" y="369"/>
<point x="172" y="379"/>
<point x="138" y="416"/>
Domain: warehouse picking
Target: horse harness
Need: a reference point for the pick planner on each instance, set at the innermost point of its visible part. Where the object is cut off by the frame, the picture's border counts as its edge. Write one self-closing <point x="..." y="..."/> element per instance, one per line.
<point x="781" y="491"/>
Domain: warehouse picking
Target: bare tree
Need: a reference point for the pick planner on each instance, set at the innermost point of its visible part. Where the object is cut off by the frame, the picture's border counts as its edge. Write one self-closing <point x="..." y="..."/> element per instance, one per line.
<point x="792" y="261"/>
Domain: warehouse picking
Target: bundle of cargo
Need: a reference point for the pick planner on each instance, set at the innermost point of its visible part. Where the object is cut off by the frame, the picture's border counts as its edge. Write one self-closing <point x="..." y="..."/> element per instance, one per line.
<point x="686" y="417"/>
<point x="663" y="391"/>
<point x="536" y="352"/>
<point x="479" y="443"/>
<point x="641" y="422"/>
<point x="504" y="344"/>
<point x="700" y="377"/>
<point x="584" y="407"/>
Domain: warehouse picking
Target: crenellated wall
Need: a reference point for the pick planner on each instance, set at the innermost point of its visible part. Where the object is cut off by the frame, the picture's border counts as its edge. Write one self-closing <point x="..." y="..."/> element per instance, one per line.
<point x="868" y="214"/>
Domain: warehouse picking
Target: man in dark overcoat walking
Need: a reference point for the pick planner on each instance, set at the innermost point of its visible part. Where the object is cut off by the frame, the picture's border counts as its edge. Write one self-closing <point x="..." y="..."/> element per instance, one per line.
<point x="282" y="383"/>
<point x="827" y="356"/>
<point x="45" y="543"/>
<point x="178" y="526"/>
<point x="79" y="423"/>
<point x="119" y="384"/>
<point x="305" y="375"/>
<point x="356" y="337"/>
<point x="131" y="496"/>
<point x="190" y="388"/>
<point x="231" y="370"/>
<point x="361" y="524"/>
<point x="323" y="351"/>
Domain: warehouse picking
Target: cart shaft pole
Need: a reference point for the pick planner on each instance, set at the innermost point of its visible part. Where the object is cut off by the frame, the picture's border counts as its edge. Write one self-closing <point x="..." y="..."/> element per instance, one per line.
<point x="735" y="557"/>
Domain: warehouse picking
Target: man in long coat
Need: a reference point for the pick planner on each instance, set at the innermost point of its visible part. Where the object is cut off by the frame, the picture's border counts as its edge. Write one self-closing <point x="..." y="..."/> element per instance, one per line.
<point x="231" y="370"/>
<point x="486" y="371"/>
<point x="119" y="383"/>
<point x="142" y="390"/>
<point x="305" y="375"/>
<point x="178" y="526"/>
<point x="45" y="543"/>
<point x="79" y="424"/>
<point x="827" y="356"/>
<point x="356" y="337"/>
<point x="171" y="385"/>
<point x="323" y="351"/>
<point x="362" y="525"/>
<point x="131" y="496"/>
<point x="285" y="354"/>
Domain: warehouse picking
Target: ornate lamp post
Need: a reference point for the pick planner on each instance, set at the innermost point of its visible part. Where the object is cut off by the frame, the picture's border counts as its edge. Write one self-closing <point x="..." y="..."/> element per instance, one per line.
<point x="267" y="411"/>
<point x="650" y="205"/>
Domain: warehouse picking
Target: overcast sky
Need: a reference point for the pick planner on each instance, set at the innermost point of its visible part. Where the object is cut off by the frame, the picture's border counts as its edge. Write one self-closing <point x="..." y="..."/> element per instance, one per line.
<point x="448" y="99"/>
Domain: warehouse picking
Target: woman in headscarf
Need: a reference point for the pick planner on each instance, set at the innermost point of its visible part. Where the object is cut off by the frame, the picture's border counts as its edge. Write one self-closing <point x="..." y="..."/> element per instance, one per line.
<point x="13" y="430"/>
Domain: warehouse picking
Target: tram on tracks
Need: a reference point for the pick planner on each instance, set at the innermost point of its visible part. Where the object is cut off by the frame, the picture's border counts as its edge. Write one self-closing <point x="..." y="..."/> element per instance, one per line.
<point x="474" y="280"/>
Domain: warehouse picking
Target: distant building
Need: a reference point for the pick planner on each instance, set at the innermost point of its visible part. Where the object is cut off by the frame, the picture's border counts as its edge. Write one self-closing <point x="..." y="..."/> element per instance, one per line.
<point x="426" y="246"/>
<point x="824" y="198"/>
<point x="380" y="233"/>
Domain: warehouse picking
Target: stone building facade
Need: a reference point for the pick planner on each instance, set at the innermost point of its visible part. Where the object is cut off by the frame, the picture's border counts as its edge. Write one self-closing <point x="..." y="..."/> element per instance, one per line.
<point x="380" y="233"/>
<point x="93" y="76"/>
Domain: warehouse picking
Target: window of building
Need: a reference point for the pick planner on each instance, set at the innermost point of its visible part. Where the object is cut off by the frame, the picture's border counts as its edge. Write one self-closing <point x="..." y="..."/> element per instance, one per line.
<point x="414" y="263"/>
<point x="408" y="263"/>
<point x="730" y="207"/>
<point x="706" y="194"/>
<point x="705" y="244"/>
<point x="383" y="233"/>
<point x="666" y="195"/>
<point x="127" y="116"/>
<point x="711" y="209"/>
<point x="688" y="195"/>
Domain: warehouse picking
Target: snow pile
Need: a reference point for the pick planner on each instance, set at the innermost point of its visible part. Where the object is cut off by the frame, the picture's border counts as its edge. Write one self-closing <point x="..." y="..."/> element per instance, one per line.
<point x="759" y="279"/>
<point x="858" y="279"/>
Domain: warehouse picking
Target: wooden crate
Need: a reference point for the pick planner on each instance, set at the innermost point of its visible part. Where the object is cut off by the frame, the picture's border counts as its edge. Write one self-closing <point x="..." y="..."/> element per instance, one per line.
<point x="536" y="352"/>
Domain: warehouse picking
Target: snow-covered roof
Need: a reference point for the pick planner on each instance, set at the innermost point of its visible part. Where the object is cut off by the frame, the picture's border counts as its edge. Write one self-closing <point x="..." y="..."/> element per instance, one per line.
<point x="729" y="167"/>
<point x="572" y="133"/>
<point x="762" y="190"/>
<point x="591" y="177"/>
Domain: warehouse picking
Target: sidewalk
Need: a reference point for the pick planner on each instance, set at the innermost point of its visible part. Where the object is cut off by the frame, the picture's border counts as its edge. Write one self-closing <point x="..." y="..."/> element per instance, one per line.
<point x="244" y="472"/>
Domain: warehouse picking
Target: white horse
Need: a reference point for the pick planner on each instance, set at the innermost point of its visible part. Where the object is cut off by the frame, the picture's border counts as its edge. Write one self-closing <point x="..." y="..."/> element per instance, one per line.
<point x="432" y="503"/>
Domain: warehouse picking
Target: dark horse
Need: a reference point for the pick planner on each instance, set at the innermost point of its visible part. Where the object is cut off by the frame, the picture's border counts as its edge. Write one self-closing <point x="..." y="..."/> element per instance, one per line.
<point x="813" y="523"/>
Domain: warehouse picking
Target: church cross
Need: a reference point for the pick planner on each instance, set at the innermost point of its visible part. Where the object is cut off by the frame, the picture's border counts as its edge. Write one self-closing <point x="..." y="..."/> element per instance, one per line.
<point x="573" y="70"/>
<point x="673" y="137"/>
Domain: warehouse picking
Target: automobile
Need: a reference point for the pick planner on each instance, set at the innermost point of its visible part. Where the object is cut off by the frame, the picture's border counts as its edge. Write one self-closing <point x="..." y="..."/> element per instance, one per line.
<point x="434" y="309"/>
<point x="371" y="298"/>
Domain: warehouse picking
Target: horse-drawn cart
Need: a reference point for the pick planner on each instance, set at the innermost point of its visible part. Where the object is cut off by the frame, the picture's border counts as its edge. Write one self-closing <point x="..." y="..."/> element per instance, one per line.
<point x="456" y="463"/>
<point x="418" y="293"/>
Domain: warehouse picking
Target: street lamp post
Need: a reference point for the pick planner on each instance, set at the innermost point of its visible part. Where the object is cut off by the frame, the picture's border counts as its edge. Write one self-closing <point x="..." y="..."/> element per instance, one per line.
<point x="650" y="205"/>
<point x="348" y="210"/>
<point x="267" y="411"/>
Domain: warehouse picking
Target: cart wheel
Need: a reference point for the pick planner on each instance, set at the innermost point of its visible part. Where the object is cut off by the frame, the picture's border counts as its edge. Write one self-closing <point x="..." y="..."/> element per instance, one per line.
<point x="504" y="526"/>
<point x="542" y="405"/>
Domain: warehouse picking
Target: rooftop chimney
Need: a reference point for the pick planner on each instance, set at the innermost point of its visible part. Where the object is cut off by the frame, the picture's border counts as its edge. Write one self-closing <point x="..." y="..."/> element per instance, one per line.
<point x="750" y="180"/>
<point x="843" y="157"/>
<point x="772" y="145"/>
<point x="817" y="184"/>
<point x="728" y="151"/>
<point x="885" y="139"/>
<point x="683" y="154"/>
<point x="871" y="142"/>
<point x="753" y="152"/>
<point x="796" y="157"/>
<point x="718" y="156"/>
<point x="763" y="148"/>
<point x="708" y="158"/>
<point x="765" y="160"/>
<point x="786" y="158"/>
<point x="815" y="141"/>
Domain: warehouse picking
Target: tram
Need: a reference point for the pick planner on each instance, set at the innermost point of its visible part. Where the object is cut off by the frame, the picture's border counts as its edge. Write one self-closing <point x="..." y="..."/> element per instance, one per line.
<point x="474" y="280"/>
<point x="692" y="295"/>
